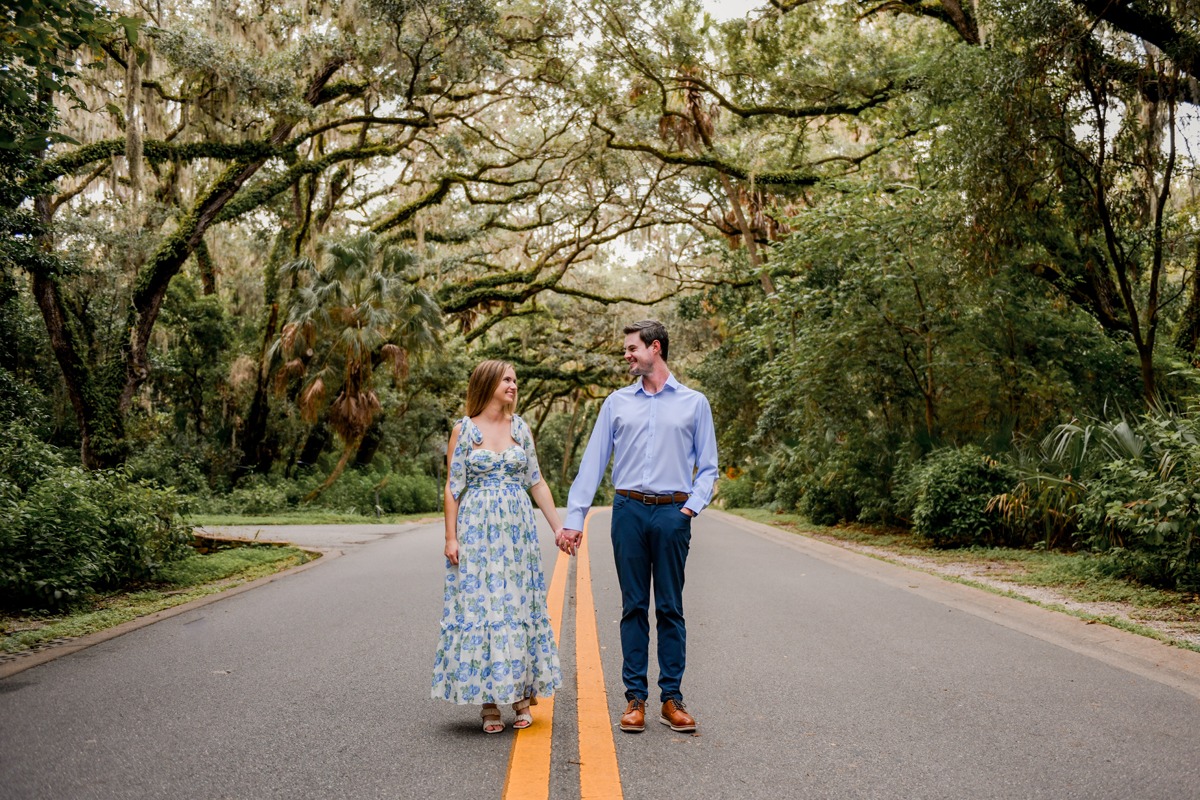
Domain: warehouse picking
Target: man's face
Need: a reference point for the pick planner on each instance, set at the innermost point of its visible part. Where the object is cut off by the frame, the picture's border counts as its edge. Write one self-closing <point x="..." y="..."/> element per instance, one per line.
<point x="640" y="358"/>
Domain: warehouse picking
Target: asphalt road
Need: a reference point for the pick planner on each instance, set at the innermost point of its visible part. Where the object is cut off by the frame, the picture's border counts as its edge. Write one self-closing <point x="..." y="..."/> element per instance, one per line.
<point x="814" y="672"/>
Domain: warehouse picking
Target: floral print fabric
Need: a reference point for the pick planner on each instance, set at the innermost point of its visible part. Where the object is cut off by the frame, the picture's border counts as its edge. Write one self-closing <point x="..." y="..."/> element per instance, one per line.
<point x="496" y="644"/>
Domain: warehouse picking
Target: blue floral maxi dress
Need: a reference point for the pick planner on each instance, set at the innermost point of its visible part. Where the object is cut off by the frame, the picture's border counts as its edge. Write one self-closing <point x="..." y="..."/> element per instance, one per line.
<point x="496" y="643"/>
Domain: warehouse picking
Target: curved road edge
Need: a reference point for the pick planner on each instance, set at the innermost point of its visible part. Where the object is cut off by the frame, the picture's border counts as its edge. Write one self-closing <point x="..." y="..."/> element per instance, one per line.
<point x="38" y="657"/>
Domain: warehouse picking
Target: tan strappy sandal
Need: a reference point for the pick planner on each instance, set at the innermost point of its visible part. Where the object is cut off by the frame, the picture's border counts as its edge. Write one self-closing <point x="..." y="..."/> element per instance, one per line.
<point x="524" y="718"/>
<point x="492" y="722"/>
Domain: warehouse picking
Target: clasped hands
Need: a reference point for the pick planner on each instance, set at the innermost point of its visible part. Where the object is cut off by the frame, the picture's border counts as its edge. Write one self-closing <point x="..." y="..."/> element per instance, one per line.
<point x="568" y="540"/>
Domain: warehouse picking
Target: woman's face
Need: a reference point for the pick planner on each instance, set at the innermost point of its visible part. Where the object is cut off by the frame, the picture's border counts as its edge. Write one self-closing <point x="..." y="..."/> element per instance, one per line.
<point x="506" y="390"/>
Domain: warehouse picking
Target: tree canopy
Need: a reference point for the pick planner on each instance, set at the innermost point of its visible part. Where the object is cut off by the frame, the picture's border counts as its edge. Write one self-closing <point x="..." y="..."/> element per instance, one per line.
<point x="877" y="229"/>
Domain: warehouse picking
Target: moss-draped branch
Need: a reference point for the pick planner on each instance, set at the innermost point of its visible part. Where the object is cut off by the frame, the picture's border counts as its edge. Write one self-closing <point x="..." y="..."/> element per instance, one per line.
<point x="1142" y="20"/>
<point x="406" y="212"/>
<point x="790" y="178"/>
<point x="830" y="109"/>
<point x="153" y="150"/>
<point x="260" y="194"/>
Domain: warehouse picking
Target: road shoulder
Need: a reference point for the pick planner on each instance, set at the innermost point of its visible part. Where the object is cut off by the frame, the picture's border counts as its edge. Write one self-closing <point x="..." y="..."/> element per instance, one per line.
<point x="33" y="658"/>
<point x="1149" y="658"/>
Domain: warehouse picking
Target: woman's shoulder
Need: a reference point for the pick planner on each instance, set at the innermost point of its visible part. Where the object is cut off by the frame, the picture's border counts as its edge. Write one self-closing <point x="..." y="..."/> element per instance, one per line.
<point x="519" y="425"/>
<point x="465" y="426"/>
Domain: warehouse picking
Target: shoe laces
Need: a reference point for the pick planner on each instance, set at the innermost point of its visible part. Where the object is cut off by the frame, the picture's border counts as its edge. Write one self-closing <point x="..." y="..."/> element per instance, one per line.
<point x="679" y="705"/>
<point x="637" y="705"/>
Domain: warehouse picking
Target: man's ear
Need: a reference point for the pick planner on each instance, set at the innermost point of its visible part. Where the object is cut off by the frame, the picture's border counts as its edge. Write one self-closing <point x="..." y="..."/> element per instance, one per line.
<point x="656" y="347"/>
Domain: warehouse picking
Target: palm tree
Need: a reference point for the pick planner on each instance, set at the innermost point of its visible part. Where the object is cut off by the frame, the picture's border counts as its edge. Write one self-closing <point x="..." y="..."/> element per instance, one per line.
<point x="363" y="309"/>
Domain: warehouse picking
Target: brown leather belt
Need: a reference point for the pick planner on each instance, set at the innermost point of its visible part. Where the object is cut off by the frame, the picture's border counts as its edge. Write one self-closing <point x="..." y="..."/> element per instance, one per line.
<point x="654" y="499"/>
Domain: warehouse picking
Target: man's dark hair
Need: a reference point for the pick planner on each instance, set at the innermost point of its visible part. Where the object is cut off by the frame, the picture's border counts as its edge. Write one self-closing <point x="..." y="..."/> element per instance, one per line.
<point x="649" y="331"/>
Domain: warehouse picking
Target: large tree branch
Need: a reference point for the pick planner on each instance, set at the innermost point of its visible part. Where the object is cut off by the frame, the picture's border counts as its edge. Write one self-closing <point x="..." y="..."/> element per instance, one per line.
<point x="406" y="212"/>
<point x="709" y="161"/>
<point x="831" y="109"/>
<point x="152" y="150"/>
<point x="1139" y="19"/>
<point x="785" y="6"/>
<point x="258" y="195"/>
<point x="950" y="12"/>
<point x="151" y="285"/>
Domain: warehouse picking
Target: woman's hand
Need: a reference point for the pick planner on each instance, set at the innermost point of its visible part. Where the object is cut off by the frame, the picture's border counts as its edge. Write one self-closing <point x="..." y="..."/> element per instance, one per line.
<point x="568" y="540"/>
<point x="452" y="551"/>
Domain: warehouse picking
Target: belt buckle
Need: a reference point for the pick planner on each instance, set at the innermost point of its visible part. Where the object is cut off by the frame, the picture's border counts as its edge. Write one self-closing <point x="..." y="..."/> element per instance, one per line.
<point x="649" y="499"/>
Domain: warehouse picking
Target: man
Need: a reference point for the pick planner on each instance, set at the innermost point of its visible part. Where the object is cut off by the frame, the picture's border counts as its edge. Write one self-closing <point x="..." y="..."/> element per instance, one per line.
<point x="660" y="434"/>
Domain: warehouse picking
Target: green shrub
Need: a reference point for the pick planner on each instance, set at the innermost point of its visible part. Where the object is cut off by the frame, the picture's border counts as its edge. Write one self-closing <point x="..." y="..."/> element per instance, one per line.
<point x="410" y="494"/>
<point x="255" y="495"/>
<point x="1123" y="488"/>
<point x="352" y="493"/>
<point x="851" y="484"/>
<point x="169" y="465"/>
<point x="66" y="532"/>
<point x="737" y="492"/>
<point x="365" y="491"/>
<point x="783" y="481"/>
<point x="951" y="490"/>
<point x="1146" y="522"/>
<point x="829" y="496"/>
<point x="356" y="491"/>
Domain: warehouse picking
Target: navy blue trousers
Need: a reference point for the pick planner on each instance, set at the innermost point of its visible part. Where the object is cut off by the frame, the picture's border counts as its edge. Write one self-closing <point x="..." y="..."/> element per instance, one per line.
<point x="650" y="545"/>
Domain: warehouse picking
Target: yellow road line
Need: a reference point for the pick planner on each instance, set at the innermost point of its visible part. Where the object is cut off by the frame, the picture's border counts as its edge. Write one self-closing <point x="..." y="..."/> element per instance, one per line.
<point x="529" y="762"/>
<point x="599" y="776"/>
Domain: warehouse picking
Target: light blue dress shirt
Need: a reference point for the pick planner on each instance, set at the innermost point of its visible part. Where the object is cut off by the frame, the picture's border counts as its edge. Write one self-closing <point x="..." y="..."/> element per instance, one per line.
<point x="663" y="443"/>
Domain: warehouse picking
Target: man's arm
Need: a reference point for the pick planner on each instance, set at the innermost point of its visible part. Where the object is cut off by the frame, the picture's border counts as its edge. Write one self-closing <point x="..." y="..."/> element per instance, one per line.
<point x="591" y="472"/>
<point x="705" y="449"/>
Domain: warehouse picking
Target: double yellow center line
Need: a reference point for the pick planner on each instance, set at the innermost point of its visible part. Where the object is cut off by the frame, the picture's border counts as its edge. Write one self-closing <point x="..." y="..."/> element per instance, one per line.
<point x="529" y="764"/>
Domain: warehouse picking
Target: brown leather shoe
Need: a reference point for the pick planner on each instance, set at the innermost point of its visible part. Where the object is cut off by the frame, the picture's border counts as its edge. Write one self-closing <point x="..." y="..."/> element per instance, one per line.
<point x="634" y="718"/>
<point x="675" y="715"/>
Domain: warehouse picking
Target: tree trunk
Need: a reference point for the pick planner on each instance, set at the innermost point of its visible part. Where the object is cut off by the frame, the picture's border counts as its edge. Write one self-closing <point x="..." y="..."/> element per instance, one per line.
<point x="369" y="444"/>
<point x="348" y="451"/>
<point x="258" y="444"/>
<point x="314" y="445"/>
<point x="101" y="395"/>
<point x="1149" y="383"/>
<point x="569" y="440"/>
<point x="208" y="271"/>
<point x="1188" y="337"/>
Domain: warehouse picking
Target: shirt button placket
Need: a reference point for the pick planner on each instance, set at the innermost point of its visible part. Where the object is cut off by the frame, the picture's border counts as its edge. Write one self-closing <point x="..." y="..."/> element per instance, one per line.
<point x="646" y="467"/>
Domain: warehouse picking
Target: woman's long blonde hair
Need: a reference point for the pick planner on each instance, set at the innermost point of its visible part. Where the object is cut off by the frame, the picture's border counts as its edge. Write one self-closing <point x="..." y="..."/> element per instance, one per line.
<point x="482" y="386"/>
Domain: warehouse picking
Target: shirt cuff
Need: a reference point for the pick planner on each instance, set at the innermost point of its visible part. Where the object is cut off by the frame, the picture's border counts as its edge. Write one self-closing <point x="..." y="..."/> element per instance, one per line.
<point x="575" y="520"/>
<point x="695" y="505"/>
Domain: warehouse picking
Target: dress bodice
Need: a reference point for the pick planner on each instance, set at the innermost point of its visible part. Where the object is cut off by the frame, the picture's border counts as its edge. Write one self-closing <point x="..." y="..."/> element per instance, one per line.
<point x="486" y="468"/>
<point x="472" y="465"/>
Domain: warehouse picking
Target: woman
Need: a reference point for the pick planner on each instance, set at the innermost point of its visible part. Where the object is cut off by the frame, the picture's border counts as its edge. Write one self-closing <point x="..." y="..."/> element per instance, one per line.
<point x="496" y="644"/>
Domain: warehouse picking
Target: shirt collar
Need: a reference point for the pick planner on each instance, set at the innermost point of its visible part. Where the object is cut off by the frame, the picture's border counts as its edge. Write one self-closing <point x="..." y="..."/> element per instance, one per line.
<point x="671" y="384"/>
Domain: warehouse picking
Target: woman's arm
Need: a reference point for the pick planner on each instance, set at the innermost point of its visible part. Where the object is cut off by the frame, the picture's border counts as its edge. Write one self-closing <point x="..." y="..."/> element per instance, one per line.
<point x="539" y="489"/>
<point x="545" y="501"/>
<point x="451" y="503"/>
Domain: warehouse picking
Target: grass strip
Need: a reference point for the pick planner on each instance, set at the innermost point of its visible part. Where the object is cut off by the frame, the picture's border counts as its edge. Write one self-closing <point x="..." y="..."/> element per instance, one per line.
<point x="189" y="579"/>
<point x="305" y="518"/>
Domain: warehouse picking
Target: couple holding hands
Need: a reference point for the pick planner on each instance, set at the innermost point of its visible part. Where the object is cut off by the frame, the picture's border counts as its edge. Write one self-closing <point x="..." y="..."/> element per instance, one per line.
<point x="496" y="645"/>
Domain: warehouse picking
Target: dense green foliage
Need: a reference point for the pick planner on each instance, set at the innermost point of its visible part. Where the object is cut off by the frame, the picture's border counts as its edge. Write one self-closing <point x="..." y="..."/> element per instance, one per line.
<point x="1126" y="488"/>
<point x="253" y="257"/>
<point x="951" y="492"/>
<point x="66" y="532"/>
